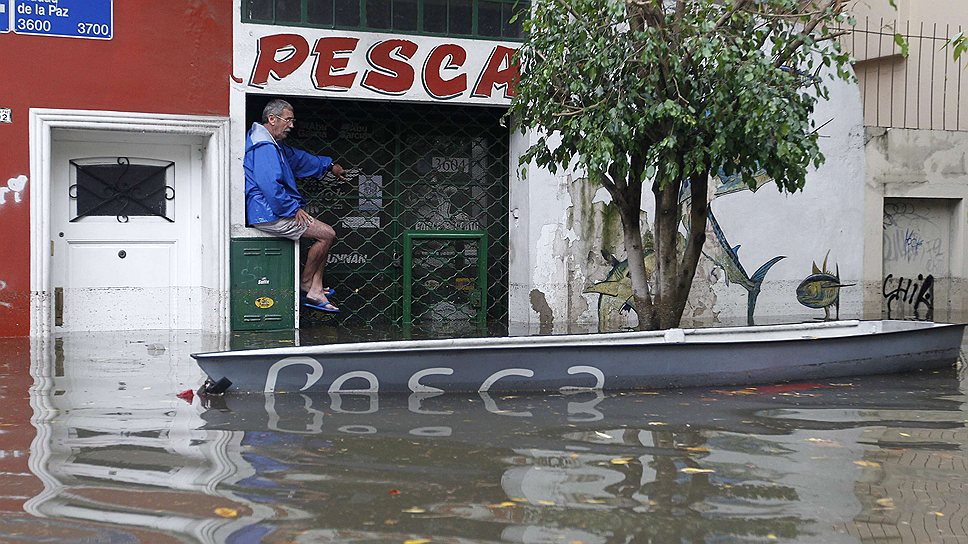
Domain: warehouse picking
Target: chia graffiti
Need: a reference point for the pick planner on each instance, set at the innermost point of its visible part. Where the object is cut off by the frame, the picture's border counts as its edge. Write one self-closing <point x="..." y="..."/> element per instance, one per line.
<point x="912" y="237"/>
<point x="821" y="289"/>
<point x="15" y="186"/>
<point x="917" y="294"/>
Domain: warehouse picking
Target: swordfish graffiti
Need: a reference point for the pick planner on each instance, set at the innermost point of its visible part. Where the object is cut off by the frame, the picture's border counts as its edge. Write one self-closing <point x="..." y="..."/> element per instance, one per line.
<point x="727" y="258"/>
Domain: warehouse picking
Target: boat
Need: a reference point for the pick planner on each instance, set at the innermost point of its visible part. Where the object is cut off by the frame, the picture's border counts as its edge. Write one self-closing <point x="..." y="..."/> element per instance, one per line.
<point x="632" y="360"/>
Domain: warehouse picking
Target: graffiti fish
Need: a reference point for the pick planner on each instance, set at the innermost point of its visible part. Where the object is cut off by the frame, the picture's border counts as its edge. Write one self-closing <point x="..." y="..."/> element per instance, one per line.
<point x="731" y="184"/>
<point x="821" y="289"/>
<point x="727" y="259"/>
<point x="616" y="288"/>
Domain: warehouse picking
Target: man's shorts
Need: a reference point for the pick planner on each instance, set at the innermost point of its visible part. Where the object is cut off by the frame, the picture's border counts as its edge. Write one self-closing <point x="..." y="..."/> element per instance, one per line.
<point x="287" y="227"/>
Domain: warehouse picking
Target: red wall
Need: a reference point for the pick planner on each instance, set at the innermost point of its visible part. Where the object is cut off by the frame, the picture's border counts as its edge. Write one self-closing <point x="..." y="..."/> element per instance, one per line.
<point x="173" y="56"/>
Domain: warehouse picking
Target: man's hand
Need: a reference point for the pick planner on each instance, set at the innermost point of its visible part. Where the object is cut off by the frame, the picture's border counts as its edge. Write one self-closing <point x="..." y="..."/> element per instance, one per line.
<point x="303" y="218"/>
<point x="338" y="171"/>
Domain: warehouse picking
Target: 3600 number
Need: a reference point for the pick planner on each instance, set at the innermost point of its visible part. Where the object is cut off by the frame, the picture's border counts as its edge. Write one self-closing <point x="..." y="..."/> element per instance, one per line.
<point x="35" y="25"/>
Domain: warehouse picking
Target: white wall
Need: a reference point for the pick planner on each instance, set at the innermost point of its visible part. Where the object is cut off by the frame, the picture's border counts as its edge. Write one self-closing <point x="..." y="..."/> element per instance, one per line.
<point x="563" y="223"/>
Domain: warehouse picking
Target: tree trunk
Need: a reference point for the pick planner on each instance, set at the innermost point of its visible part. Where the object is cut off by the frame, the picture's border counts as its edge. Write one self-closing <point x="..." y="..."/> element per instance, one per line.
<point x="628" y="197"/>
<point x="695" y="238"/>
<point x="666" y="228"/>
<point x="641" y="297"/>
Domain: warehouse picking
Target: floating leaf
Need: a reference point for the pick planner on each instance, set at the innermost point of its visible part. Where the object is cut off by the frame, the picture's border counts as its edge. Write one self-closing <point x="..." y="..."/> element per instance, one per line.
<point x="691" y="470"/>
<point x="620" y="460"/>
<point x="868" y="464"/>
<point x="939" y="514"/>
<point x="886" y="502"/>
<point x="414" y="510"/>
<point x="824" y="442"/>
<point x="657" y="423"/>
<point x="747" y="391"/>
<point x="394" y="492"/>
<point x="697" y="449"/>
<point x="223" y="512"/>
<point x="416" y="541"/>
<point x="546" y="503"/>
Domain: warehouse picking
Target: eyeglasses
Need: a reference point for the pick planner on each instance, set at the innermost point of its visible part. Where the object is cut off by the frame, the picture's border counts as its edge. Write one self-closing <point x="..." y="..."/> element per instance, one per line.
<point x="286" y="120"/>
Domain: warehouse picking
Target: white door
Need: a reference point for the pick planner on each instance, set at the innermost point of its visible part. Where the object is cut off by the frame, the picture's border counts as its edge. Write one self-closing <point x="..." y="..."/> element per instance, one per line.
<point x="122" y="223"/>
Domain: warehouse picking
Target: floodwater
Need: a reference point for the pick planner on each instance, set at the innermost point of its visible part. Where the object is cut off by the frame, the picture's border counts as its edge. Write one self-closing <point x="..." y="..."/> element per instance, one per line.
<point x="95" y="446"/>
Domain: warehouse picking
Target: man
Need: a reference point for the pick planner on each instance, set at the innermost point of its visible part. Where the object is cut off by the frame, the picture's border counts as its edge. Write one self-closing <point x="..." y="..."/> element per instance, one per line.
<point x="273" y="203"/>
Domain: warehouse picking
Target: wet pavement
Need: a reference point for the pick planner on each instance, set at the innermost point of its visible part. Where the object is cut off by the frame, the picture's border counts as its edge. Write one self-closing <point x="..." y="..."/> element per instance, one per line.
<point x="95" y="446"/>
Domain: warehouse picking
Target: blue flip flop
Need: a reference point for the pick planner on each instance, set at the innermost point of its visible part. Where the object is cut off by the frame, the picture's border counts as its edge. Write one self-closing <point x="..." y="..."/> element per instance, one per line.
<point x="324" y="307"/>
<point x="328" y="292"/>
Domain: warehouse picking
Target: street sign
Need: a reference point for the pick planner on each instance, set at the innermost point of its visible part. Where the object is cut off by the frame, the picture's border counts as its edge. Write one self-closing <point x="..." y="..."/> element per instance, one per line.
<point x="4" y="16"/>
<point x="91" y="19"/>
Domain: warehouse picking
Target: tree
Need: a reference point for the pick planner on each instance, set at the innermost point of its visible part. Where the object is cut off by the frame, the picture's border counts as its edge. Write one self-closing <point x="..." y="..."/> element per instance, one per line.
<point x="668" y="93"/>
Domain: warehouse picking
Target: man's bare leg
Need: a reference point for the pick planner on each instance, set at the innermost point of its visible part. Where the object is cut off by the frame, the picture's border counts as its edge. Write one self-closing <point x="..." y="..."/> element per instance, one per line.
<point x="311" y="279"/>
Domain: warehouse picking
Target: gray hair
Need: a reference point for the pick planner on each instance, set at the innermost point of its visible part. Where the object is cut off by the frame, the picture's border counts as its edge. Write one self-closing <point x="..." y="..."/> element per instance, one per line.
<point x="275" y="107"/>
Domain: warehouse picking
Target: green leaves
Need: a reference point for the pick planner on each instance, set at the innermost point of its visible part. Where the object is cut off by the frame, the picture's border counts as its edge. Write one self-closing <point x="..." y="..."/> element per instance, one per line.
<point x="959" y="44"/>
<point x="720" y="83"/>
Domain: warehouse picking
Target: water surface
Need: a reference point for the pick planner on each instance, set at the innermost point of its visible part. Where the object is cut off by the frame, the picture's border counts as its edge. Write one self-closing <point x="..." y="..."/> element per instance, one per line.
<point x="95" y="446"/>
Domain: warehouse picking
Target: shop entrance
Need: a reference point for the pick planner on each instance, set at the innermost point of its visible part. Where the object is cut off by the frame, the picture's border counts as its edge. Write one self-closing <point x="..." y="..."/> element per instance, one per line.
<point x="442" y="171"/>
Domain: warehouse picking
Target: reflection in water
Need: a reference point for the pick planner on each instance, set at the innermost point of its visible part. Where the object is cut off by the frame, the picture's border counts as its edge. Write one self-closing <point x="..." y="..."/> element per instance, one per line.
<point x="118" y="457"/>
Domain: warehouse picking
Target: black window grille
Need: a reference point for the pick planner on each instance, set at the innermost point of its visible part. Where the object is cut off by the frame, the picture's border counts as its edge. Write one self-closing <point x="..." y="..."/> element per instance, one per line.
<point x="458" y="18"/>
<point x="121" y="188"/>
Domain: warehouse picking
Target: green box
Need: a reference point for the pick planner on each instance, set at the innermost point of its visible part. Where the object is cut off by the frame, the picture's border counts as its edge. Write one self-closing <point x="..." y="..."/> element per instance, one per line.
<point x="262" y="291"/>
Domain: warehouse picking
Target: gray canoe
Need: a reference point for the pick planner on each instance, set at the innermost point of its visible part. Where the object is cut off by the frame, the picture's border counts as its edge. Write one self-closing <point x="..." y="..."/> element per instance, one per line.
<point x="612" y="361"/>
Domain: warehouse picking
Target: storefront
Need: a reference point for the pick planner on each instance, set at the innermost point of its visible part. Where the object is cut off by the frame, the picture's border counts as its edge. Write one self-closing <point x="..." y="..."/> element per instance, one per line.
<point x="410" y="97"/>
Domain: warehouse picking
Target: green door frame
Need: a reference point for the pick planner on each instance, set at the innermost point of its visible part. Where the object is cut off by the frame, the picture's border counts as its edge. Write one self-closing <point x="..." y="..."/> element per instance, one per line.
<point x="411" y="235"/>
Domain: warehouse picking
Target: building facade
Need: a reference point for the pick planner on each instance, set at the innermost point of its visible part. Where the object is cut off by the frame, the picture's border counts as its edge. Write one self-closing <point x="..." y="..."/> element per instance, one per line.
<point x="115" y="167"/>
<point x="916" y="140"/>
<point x="437" y="225"/>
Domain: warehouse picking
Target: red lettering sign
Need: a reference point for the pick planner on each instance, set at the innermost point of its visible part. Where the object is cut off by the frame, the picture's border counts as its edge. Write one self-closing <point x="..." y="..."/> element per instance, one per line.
<point x="327" y="63"/>
<point x="501" y="72"/>
<point x="445" y="58"/>
<point x="295" y="49"/>
<point x="392" y="74"/>
<point x="393" y="62"/>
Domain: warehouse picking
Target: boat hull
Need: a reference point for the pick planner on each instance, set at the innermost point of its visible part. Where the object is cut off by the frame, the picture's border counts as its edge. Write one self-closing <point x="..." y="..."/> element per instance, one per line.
<point x="616" y="364"/>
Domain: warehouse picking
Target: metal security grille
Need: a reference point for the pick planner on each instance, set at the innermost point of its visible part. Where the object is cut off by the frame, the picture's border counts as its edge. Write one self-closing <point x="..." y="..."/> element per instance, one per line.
<point x="413" y="168"/>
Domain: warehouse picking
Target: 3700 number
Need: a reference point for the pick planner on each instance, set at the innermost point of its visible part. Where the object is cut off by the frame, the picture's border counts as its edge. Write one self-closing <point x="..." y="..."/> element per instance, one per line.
<point x="93" y="29"/>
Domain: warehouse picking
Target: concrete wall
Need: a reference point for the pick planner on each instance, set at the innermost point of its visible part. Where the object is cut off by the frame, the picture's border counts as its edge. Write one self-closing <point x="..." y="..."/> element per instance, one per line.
<point x="915" y="220"/>
<point x="951" y="12"/>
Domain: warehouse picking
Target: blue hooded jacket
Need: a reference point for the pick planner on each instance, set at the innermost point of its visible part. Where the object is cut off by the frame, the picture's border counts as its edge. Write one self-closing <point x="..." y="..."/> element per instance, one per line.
<point x="271" y="169"/>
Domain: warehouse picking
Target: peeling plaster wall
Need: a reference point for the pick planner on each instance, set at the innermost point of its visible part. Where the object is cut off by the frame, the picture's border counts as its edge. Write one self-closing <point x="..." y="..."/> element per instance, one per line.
<point x="546" y="275"/>
<point x="926" y="166"/>
<point x="560" y="225"/>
